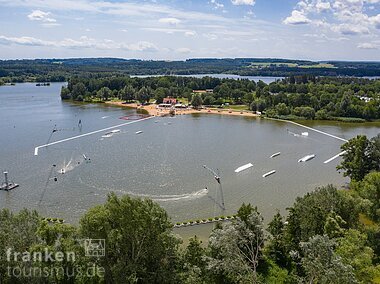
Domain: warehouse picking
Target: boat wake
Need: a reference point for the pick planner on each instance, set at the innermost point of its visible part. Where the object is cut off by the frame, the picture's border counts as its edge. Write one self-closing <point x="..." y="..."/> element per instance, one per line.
<point x="68" y="167"/>
<point x="164" y="198"/>
<point x="176" y="197"/>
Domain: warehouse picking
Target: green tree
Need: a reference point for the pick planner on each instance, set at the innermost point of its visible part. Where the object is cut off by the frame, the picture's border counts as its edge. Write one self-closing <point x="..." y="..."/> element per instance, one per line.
<point x="322" y="264"/>
<point x="369" y="189"/>
<point x="356" y="162"/>
<point x="196" y="101"/>
<point x="354" y="252"/>
<point x="127" y="93"/>
<point x="236" y="248"/>
<point x="140" y="245"/>
<point x="282" y="109"/>
<point x="143" y="95"/>
<point x="104" y="93"/>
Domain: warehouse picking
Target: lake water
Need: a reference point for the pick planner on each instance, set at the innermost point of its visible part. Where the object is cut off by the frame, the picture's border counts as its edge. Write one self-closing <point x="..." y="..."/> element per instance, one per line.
<point x="165" y="162"/>
<point x="265" y="79"/>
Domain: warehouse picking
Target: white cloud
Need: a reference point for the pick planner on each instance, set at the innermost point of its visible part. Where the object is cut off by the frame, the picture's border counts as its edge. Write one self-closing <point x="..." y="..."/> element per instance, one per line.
<point x="323" y="6"/>
<point x="38" y="15"/>
<point x="375" y="20"/>
<point x="170" y="21"/>
<point x="183" y="50"/>
<point x="141" y="46"/>
<point x="243" y="2"/>
<point x="190" y="33"/>
<point x="350" y="29"/>
<point x="297" y="18"/>
<point x="210" y="36"/>
<point x="83" y="42"/>
<point x="367" y="45"/>
<point x="216" y="4"/>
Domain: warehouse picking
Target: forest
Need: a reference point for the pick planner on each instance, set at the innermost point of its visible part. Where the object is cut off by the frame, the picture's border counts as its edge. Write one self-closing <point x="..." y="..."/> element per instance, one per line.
<point x="329" y="235"/>
<point x="59" y="70"/>
<point x="295" y="97"/>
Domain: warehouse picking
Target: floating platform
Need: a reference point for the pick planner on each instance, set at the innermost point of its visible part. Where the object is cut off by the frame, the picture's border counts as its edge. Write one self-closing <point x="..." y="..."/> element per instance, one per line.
<point x="275" y="154"/>
<point x="8" y="186"/>
<point x="242" y="168"/>
<point x="306" y="158"/>
<point x="269" y="173"/>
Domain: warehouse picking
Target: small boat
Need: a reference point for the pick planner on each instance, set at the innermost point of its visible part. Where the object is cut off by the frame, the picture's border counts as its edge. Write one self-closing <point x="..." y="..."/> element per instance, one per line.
<point x="139" y="132"/>
<point x="242" y="168"/>
<point x="107" y="135"/>
<point x="305" y="134"/>
<point x="115" y="131"/>
<point x="269" y="173"/>
<point x="306" y="158"/>
<point x="275" y="154"/>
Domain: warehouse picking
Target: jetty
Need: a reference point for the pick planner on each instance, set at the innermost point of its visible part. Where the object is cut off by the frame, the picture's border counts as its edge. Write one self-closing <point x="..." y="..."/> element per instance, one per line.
<point x="6" y="185"/>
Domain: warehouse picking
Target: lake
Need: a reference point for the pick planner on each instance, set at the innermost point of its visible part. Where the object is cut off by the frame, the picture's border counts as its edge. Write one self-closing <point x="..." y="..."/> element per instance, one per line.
<point x="164" y="162"/>
<point x="265" y="79"/>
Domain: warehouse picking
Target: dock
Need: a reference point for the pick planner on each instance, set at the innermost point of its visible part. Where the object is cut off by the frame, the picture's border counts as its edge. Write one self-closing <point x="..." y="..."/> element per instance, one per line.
<point x="6" y="185"/>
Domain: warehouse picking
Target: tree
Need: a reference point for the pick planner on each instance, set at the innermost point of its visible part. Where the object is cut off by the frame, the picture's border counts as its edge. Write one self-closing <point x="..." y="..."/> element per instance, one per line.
<point x="369" y="189"/>
<point x="104" y="93"/>
<point x="79" y="89"/>
<point x="127" y="93"/>
<point x="139" y="242"/>
<point x="356" y="161"/>
<point x="307" y="217"/>
<point x="236" y="248"/>
<point x="194" y="263"/>
<point x="143" y="95"/>
<point x="282" y="109"/>
<point x="354" y="252"/>
<point x="322" y="264"/>
<point x="275" y="248"/>
<point x="196" y="101"/>
<point x="18" y="233"/>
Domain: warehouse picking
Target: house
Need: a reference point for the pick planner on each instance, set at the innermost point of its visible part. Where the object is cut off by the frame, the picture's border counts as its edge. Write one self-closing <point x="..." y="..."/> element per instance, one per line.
<point x="169" y="100"/>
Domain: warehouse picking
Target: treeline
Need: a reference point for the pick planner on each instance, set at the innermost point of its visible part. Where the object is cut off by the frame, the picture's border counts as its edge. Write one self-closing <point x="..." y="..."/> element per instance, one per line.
<point x="41" y="70"/>
<point x="306" y="96"/>
<point x="328" y="236"/>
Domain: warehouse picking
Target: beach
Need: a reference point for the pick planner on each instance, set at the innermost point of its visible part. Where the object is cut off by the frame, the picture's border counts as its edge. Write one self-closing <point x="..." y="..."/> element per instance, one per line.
<point x="154" y="110"/>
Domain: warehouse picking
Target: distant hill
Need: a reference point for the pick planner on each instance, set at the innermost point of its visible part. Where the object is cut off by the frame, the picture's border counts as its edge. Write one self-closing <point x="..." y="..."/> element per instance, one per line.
<point x="60" y="69"/>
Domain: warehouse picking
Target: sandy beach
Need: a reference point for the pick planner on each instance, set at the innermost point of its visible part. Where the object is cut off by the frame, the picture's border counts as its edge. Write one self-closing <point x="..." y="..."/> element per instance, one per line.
<point x="153" y="109"/>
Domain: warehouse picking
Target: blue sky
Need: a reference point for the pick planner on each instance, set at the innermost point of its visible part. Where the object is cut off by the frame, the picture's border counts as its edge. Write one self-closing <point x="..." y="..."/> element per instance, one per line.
<point x="180" y="29"/>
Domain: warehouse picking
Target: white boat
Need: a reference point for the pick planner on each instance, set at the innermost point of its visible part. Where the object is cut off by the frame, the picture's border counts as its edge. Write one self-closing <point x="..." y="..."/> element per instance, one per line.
<point x="139" y="132"/>
<point x="306" y="158"/>
<point x="115" y="131"/>
<point x="305" y="133"/>
<point x="269" y="173"/>
<point x="275" y="154"/>
<point x="242" y="168"/>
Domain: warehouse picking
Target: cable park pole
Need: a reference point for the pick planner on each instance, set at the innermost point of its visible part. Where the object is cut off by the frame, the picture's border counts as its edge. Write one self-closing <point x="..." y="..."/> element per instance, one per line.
<point x="218" y="180"/>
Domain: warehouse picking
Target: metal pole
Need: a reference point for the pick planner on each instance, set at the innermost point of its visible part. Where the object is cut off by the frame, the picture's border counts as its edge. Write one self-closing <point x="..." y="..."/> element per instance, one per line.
<point x="6" y="179"/>
<point x="218" y="180"/>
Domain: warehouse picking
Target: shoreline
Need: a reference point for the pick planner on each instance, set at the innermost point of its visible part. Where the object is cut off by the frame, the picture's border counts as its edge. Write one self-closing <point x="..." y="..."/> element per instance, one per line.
<point x="154" y="110"/>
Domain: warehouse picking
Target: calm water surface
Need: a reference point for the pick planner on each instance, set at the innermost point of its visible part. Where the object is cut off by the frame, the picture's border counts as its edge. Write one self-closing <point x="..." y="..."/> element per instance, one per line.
<point x="163" y="163"/>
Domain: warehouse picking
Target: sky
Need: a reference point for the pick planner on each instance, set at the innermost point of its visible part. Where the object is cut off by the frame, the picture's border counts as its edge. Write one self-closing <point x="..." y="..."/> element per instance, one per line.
<point x="181" y="29"/>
